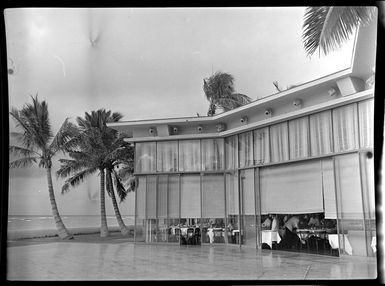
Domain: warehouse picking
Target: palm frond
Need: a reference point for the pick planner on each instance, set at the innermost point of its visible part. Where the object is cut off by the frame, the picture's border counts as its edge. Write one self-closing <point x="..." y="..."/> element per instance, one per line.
<point x="327" y="28"/>
<point x="122" y="192"/>
<point x="64" y="138"/>
<point x="69" y="167"/>
<point x="76" y="179"/>
<point x="23" y="162"/>
<point x="20" y="151"/>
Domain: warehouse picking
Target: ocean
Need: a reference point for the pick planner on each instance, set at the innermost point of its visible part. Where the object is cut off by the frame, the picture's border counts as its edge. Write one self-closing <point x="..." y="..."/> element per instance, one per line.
<point x="35" y="222"/>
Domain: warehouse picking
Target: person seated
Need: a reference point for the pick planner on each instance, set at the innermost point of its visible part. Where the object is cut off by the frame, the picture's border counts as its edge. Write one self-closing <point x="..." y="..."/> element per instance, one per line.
<point x="275" y="223"/>
<point x="314" y="221"/>
<point x="290" y="239"/>
<point x="267" y="223"/>
<point x="303" y="222"/>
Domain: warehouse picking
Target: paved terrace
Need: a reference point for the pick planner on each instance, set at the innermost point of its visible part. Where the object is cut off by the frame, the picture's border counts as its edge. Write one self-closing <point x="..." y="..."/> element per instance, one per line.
<point x="117" y="258"/>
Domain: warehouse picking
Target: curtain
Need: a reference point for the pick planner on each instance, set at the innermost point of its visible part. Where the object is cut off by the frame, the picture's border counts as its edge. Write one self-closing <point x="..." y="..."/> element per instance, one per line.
<point x="231" y="150"/>
<point x="321" y="138"/>
<point x="145" y="157"/>
<point x="151" y="197"/>
<point x="247" y="183"/>
<point x="141" y="198"/>
<point x="366" y="118"/>
<point x="328" y="188"/>
<point x="173" y="196"/>
<point x="189" y="155"/>
<point x="167" y="156"/>
<point x="213" y="196"/>
<point x="245" y="149"/>
<point x="348" y="186"/>
<point x="212" y="154"/>
<point x="291" y="188"/>
<point x="299" y="138"/>
<point x="162" y="196"/>
<point x="190" y="196"/>
<point x="279" y="142"/>
<point x="261" y="146"/>
<point x="232" y="202"/>
<point x="345" y="127"/>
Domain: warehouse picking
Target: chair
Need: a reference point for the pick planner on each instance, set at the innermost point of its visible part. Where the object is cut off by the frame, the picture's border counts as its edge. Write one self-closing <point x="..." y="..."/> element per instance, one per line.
<point x="197" y="236"/>
<point x="190" y="236"/>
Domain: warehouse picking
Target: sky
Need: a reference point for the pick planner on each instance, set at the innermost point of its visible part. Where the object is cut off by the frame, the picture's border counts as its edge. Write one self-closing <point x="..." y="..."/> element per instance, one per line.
<point x="145" y="63"/>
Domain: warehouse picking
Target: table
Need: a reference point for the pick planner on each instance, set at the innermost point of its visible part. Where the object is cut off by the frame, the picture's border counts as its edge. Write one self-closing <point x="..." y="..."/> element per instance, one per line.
<point x="334" y="243"/>
<point x="268" y="236"/>
<point x="374" y="244"/>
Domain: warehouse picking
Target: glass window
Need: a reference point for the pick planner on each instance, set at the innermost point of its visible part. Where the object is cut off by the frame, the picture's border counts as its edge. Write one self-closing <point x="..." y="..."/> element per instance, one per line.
<point x="366" y="117"/>
<point x="145" y="157"/>
<point x="162" y="196"/>
<point x="151" y="197"/>
<point x="213" y="196"/>
<point x="190" y="196"/>
<point x="299" y="138"/>
<point x="245" y="149"/>
<point x="212" y="154"/>
<point x="189" y="155"/>
<point x="232" y="208"/>
<point x="321" y="137"/>
<point x="279" y="142"/>
<point x="231" y="149"/>
<point x="261" y="146"/>
<point x="345" y="127"/>
<point x="167" y="156"/>
<point x="141" y="197"/>
<point x="248" y="218"/>
<point x="173" y="208"/>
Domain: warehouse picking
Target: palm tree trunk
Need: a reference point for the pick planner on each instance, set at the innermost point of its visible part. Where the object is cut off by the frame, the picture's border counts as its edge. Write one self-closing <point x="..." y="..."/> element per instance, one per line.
<point x="123" y="228"/>
<point x="103" y="217"/>
<point x="62" y="230"/>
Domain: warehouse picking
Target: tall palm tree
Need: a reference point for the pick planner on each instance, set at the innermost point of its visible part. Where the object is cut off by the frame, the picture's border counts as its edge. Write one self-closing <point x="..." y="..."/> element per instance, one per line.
<point x="219" y="91"/>
<point x="38" y="145"/>
<point x="98" y="148"/>
<point x="327" y="28"/>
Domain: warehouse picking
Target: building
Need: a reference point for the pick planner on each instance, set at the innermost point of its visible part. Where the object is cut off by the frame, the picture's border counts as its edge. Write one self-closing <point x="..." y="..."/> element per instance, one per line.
<point x="303" y="151"/>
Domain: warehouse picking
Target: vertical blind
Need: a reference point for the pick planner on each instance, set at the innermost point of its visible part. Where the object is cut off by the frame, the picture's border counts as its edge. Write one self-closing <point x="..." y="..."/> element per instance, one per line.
<point x="345" y="128"/>
<point x="189" y="155"/>
<point x="173" y="196"/>
<point x="366" y="122"/>
<point x="162" y="196"/>
<point x="231" y="150"/>
<point x="145" y="157"/>
<point x="141" y="198"/>
<point x="321" y="137"/>
<point x="213" y="196"/>
<point x="212" y="154"/>
<point x="190" y="196"/>
<point x="299" y="138"/>
<point x="348" y="185"/>
<point x="232" y="197"/>
<point x="261" y="146"/>
<point x="328" y="188"/>
<point x="292" y="188"/>
<point x="247" y="183"/>
<point x="167" y="156"/>
<point x="151" y="197"/>
<point x="245" y="149"/>
<point x="279" y="142"/>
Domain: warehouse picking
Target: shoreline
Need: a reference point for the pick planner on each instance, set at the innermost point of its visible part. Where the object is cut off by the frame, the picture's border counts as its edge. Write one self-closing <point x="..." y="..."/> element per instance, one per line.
<point x="17" y="235"/>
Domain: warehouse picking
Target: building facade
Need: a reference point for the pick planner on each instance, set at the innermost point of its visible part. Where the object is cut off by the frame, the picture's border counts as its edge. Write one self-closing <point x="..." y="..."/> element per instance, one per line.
<point x="307" y="150"/>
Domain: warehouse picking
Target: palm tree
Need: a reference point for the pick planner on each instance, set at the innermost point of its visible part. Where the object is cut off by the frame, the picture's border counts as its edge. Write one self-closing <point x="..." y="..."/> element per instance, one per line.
<point x="219" y="91"/>
<point x="98" y="148"/>
<point x="38" y="145"/>
<point x="327" y="28"/>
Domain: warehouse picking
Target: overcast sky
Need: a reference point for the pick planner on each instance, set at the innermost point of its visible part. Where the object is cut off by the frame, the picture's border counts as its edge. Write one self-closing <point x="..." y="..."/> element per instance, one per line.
<point x="150" y="63"/>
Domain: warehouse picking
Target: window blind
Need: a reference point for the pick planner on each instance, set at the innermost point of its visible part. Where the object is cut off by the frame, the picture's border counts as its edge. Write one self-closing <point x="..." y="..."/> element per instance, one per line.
<point x="328" y="188"/>
<point x="247" y="183"/>
<point x="141" y="198"/>
<point x="213" y="196"/>
<point x="190" y="196"/>
<point x="151" y="197"/>
<point x="291" y="189"/>
<point x="173" y="196"/>
<point x="162" y="196"/>
<point x="232" y="201"/>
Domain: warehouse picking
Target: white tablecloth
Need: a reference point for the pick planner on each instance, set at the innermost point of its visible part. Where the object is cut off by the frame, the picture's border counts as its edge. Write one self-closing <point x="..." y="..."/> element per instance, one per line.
<point x="374" y="244"/>
<point x="268" y="236"/>
<point x="333" y="240"/>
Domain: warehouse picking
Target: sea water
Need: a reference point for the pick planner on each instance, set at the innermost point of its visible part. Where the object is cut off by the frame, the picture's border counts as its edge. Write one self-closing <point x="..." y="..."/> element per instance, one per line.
<point x="35" y="222"/>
